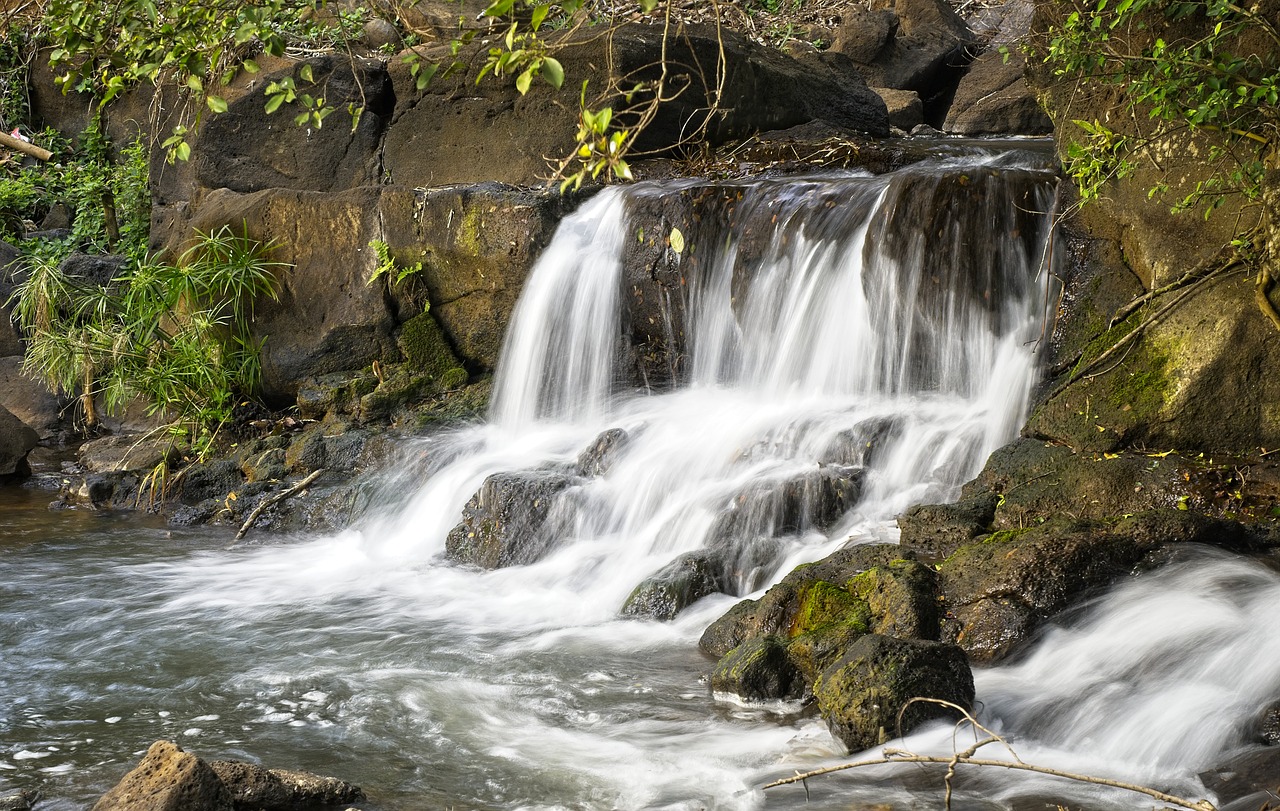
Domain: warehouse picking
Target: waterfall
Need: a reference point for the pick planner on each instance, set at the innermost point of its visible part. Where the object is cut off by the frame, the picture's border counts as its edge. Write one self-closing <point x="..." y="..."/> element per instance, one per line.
<point x="806" y="359"/>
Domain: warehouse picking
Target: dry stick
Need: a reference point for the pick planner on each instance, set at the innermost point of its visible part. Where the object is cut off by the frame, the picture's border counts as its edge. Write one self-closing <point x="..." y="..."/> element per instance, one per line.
<point x="1202" y="805"/>
<point x="278" y="497"/>
<point x="25" y="148"/>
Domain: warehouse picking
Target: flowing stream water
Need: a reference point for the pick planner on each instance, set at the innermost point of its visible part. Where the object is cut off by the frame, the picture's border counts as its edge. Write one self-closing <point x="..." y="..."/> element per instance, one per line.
<point x="883" y="329"/>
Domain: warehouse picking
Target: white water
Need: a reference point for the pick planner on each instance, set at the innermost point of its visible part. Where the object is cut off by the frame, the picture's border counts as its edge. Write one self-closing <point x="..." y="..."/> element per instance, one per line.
<point x="864" y="339"/>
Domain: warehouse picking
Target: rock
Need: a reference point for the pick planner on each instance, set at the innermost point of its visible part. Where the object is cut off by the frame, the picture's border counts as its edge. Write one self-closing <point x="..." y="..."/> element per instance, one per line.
<point x="16" y="441"/>
<point x="213" y="479"/>
<point x="862" y="694"/>
<point x="247" y="149"/>
<point x="126" y="453"/>
<point x="674" y="587"/>
<point x="807" y="502"/>
<point x="906" y="110"/>
<point x="600" y="455"/>
<point x="918" y="45"/>
<point x="18" y="801"/>
<point x="336" y="394"/>
<point x="29" y="400"/>
<point x="427" y="352"/>
<point x="254" y="788"/>
<point x="455" y="131"/>
<point x="11" y="273"/>
<point x="1244" y="776"/>
<point x="759" y="670"/>
<point x="999" y="590"/>
<point x="1267" y="725"/>
<point x="993" y="99"/>
<point x="903" y="598"/>
<point x="93" y="269"/>
<point x="379" y="34"/>
<point x="934" y="531"/>
<point x="168" y="779"/>
<point x="862" y="444"/>
<point x="501" y="523"/>
<point x="775" y="612"/>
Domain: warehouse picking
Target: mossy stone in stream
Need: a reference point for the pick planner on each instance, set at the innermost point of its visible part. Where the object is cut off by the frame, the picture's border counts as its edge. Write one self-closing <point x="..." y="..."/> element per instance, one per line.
<point x="759" y="669"/>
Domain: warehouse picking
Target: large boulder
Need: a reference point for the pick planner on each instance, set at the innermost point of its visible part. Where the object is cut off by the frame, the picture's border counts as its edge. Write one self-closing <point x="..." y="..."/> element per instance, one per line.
<point x="866" y="697"/>
<point x="30" y="400"/>
<point x="993" y="99"/>
<point x="11" y="273"/>
<point x="168" y="779"/>
<point x="16" y="441"/>
<point x="999" y="590"/>
<point x="456" y="131"/>
<point x="919" y="45"/>
<point x="503" y="523"/>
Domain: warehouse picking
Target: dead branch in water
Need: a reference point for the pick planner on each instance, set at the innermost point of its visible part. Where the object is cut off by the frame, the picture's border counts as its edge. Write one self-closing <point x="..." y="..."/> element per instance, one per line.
<point x="275" y="499"/>
<point x="966" y="757"/>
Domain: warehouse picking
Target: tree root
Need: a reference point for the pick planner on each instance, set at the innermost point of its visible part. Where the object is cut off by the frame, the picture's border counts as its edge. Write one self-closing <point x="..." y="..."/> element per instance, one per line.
<point x="1261" y="288"/>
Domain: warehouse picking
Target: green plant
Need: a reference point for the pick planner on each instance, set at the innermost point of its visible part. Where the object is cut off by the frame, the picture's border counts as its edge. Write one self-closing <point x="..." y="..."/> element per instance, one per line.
<point x="175" y="336"/>
<point x="387" y="267"/>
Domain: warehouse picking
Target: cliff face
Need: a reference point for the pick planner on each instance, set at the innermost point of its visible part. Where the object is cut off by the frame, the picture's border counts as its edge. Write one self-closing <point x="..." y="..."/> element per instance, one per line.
<point x="1194" y="371"/>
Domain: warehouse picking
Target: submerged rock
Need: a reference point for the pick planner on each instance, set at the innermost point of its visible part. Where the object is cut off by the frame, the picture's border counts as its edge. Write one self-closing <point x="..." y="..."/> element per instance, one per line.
<point x="501" y="524"/>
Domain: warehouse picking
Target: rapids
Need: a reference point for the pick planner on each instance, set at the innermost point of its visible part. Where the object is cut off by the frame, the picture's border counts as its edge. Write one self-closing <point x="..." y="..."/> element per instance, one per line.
<point x="885" y="326"/>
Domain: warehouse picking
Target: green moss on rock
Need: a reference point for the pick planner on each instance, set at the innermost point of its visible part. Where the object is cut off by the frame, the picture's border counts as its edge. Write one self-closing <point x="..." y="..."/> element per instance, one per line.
<point x="427" y="351"/>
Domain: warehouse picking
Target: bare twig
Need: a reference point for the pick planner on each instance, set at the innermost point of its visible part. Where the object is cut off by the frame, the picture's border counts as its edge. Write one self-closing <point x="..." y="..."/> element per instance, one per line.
<point x="966" y="757"/>
<point x="275" y="499"/>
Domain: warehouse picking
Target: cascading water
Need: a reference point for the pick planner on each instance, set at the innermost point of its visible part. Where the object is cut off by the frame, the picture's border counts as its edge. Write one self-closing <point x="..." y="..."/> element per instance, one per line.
<point x="830" y="350"/>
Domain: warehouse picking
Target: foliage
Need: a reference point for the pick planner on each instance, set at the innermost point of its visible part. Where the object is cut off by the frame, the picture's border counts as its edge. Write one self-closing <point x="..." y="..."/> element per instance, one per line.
<point x="387" y="267"/>
<point x="1188" y="65"/>
<point x="176" y="336"/>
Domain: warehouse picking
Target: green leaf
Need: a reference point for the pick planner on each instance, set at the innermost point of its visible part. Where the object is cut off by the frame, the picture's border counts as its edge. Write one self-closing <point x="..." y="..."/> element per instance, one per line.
<point x="305" y="74"/>
<point x="274" y="102"/>
<point x="524" y="80"/>
<point x="182" y="151"/>
<point x="425" y="76"/>
<point x="216" y="104"/>
<point x="250" y="66"/>
<point x="647" y="6"/>
<point x="552" y="72"/>
<point x="195" y="84"/>
<point x="539" y="14"/>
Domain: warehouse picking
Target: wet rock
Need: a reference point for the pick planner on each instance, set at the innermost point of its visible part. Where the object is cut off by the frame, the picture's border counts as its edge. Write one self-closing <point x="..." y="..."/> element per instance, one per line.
<point x="1267" y="725"/>
<point x="999" y="590"/>
<point x="602" y="453"/>
<point x="18" y="801"/>
<point x="862" y="694"/>
<point x="902" y="596"/>
<point x="775" y="612"/>
<point x="501" y="524"/>
<point x="993" y="99"/>
<point x="934" y="531"/>
<point x="16" y="441"/>
<point x="862" y="444"/>
<point x="759" y="669"/>
<point x="168" y="779"/>
<point x="813" y="500"/>
<point x="254" y="788"/>
<point x="212" y="479"/>
<point x="1248" y="775"/>
<point x="674" y="587"/>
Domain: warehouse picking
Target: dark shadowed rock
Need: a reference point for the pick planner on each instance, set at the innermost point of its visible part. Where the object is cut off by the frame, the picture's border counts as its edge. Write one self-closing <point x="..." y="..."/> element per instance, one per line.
<point x="11" y="273"/>
<point x="862" y="694"/>
<point x="16" y="441"/>
<point x="1267" y="725"/>
<point x="168" y="779"/>
<point x="915" y="45"/>
<point x="455" y="131"/>
<point x="674" y="587"/>
<point x="254" y="788"/>
<point x="993" y="99"/>
<point x="1247" y="782"/>
<point x="906" y="110"/>
<point x="247" y="149"/>
<point x="501" y="523"/>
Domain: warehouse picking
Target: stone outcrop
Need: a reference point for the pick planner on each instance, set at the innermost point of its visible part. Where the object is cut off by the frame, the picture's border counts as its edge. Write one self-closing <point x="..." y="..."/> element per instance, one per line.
<point x="993" y="99"/>
<point x="503" y="524"/>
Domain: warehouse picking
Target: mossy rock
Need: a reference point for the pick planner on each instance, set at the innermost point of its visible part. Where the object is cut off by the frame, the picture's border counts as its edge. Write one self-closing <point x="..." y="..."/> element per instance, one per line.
<point x="902" y="597"/>
<point x="862" y="695"/>
<point x="334" y="394"/>
<point x="759" y="669"/>
<point x="427" y="351"/>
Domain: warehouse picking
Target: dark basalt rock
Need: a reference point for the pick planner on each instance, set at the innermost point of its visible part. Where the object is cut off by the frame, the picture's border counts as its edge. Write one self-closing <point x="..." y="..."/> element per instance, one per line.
<point x="16" y="441"/>
<point x="934" y="531"/>
<point x="759" y="670"/>
<point x="600" y="455"/>
<point x="501" y="524"/>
